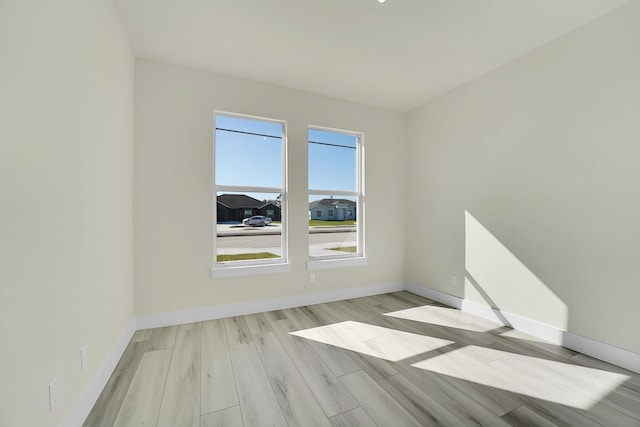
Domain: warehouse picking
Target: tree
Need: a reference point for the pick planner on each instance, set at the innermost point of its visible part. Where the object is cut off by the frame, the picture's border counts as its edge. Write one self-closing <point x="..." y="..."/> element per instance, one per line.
<point x="277" y="202"/>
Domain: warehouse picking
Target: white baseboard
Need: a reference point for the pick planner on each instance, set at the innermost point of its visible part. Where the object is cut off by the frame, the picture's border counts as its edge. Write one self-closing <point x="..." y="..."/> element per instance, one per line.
<point x="540" y="330"/>
<point x="90" y="396"/>
<point x="250" y="307"/>
<point x="441" y="297"/>
<point x="606" y="352"/>
<point x="614" y="355"/>
<point x="92" y="392"/>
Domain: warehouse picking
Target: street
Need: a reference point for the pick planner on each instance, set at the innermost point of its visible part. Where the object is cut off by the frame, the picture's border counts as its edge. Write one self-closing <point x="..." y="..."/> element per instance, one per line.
<point x="273" y="240"/>
<point x="238" y="239"/>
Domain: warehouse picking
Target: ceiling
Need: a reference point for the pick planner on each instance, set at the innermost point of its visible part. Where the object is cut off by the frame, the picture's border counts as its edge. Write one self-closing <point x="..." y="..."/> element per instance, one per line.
<point x="396" y="55"/>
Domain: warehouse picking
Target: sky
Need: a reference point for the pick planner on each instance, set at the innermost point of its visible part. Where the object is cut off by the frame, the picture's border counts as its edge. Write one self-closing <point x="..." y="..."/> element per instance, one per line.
<point x="246" y="159"/>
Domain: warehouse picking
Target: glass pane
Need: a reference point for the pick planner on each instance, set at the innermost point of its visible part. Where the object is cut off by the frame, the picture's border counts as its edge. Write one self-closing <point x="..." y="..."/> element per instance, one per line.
<point x="332" y="226"/>
<point x="332" y="161"/>
<point x="249" y="226"/>
<point x="248" y="152"/>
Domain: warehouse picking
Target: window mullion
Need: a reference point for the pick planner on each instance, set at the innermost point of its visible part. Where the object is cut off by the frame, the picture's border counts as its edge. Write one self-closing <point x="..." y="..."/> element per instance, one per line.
<point x="333" y="193"/>
<point x="248" y="189"/>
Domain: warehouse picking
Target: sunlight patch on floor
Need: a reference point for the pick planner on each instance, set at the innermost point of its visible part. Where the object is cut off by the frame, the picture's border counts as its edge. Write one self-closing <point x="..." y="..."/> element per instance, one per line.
<point x="385" y="343"/>
<point x="562" y="383"/>
<point x="447" y="317"/>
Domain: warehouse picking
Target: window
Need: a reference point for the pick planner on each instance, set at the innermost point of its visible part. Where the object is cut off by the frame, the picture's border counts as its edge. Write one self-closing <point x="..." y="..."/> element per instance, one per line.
<point x="318" y="214"/>
<point x="336" y="185"/>
<point x="249" y="175"/>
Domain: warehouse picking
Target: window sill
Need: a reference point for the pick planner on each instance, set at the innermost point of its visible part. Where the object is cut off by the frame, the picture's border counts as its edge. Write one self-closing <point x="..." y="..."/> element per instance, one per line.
<point x="249" y="270"/>
<point x="320" y="264"/>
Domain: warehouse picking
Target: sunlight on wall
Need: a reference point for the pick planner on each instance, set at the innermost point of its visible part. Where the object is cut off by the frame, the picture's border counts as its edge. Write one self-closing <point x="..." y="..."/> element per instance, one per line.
<point x="562" y="383"/>
<point x="385" y="343"/>
<point x="494" y="276"/>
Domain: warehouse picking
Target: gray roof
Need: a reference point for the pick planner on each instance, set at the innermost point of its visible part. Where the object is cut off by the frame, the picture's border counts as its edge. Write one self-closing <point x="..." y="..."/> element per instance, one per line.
<point x="329" y="203"/>
<point x="238" y="201"/>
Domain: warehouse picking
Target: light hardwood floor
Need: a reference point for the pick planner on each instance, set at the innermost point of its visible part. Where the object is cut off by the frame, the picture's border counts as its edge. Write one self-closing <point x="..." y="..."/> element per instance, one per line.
<point x="387" y="360"/>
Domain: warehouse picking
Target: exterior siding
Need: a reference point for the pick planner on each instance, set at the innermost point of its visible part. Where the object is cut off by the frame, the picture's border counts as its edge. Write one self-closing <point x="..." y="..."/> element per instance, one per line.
<point x="342" y="212"/>
<point x="249" y="207"/>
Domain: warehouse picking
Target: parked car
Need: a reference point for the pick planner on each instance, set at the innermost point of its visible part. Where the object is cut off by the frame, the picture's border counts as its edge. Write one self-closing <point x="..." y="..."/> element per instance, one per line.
<point x="258" y="220"/>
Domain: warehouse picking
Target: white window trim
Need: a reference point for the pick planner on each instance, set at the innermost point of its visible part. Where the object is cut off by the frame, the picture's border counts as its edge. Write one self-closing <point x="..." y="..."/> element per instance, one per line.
<point x="253" y="267"/>
<point x="225" y="270"/>
<point x="359" y="258"/>
<point x="321" y="263"/>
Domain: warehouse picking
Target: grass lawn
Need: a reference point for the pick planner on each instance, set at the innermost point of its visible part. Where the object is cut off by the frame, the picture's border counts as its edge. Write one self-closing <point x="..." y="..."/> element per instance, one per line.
<point x="245" y="257"/>
<point x="351" y="249"/>
<point x="319" y="223"/>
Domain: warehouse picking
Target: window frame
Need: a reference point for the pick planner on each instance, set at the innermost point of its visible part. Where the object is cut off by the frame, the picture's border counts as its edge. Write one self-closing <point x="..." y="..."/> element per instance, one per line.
<point x="344" y="260"/>
<point x="259" y="266"/>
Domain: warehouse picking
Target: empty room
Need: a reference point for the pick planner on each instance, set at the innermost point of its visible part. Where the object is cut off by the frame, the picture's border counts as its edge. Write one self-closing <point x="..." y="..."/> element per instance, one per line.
<point x="319" y="213"/>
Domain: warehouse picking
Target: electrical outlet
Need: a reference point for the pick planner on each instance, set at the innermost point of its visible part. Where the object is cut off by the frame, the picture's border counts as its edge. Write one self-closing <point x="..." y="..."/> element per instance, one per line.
<point x="83" y="358"/>
<point x="453" y="280"/>
<point x="312" y="277"/>
<point x="53" y="393"/>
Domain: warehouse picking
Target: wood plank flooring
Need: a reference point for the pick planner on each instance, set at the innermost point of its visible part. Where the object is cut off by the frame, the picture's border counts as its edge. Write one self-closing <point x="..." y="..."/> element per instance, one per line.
<point x="386" y="360"/>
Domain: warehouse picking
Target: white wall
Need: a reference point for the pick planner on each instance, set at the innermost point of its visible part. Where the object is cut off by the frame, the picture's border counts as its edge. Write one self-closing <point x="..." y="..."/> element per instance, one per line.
<point x="526" y="182"/>
<point x="66" y="270"/>
<point x="174" y="200"/>
<point x="534" y="165"/>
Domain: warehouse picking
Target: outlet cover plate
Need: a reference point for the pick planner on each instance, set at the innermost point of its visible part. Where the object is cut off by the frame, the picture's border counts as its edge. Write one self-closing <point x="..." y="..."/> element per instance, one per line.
<point x="53" y="393"/>
<point x="83" y="358"/>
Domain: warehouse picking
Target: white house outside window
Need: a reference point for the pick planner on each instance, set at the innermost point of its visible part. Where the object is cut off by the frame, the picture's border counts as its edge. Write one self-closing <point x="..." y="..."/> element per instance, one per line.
<point x="336" y="195"/>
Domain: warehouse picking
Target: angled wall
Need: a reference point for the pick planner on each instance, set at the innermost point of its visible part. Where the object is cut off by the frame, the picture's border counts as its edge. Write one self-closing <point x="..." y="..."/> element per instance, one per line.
<point x="526" y="180"/>
<point x="66" y="240"/>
